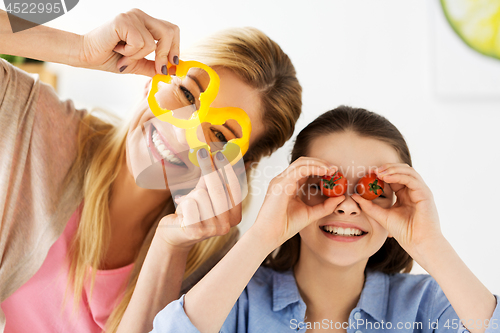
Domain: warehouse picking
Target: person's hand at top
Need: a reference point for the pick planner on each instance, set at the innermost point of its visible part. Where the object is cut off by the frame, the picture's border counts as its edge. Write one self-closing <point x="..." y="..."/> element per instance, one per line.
<point x="413" y="220"/>
<point x="122" y="44"/>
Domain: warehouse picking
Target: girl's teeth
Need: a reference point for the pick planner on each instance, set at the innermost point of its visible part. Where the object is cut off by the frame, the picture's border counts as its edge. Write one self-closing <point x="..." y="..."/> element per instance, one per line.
<point x="342" y="231"/>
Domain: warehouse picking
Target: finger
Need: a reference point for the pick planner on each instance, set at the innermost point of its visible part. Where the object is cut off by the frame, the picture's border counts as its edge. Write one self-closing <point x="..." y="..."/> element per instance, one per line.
<point x="307" y="161"/>
<point x="418" y="190"/>
<point x="167" y="48"/>
<point x="300" y="175"/>
<point x="204" y="203"/>
<point x="330" y="171"/>
<point x="389" y="165"/>
<point x="168" y="37"/>
<point x="376" y="212"/>
<point x="402" y="179"/>
<point x="190" y="213"/>
<point x="148" y="43"/>
<point x="130" y="34"/>
<point x="216" y="188"/>
<point x="397" y="168"/>
<point x="140" y="67"/>
<point x="325" y="208"/>
<point x="228" y="175"/>
<point x="201" y="183"/>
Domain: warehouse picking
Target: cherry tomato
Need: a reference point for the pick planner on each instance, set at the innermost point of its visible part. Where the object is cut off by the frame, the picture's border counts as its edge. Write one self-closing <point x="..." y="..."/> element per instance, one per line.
<point x="370" y="187"/>
<point x="334" y="185"/>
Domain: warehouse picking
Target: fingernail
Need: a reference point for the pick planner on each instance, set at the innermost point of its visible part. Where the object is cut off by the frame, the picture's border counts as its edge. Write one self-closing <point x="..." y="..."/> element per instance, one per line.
<point x="220" y="156"/>
<point x="176" y="60"/>
<point x="203" y="153"/>
<point x="123" y="68"/>
<point x="164" y="69"/>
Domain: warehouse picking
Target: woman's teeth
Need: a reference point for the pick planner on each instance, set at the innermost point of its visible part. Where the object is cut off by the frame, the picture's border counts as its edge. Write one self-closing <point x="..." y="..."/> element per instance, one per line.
<point x="164" y="152"/>
<point x="342" y="231"/>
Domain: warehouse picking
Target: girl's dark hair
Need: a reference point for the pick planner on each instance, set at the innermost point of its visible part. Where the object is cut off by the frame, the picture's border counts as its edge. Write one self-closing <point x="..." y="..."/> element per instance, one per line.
<point x="390" y="258"/>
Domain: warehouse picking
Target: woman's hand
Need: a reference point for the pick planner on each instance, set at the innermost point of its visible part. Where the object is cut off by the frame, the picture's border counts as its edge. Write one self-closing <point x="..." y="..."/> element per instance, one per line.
<point x="208" y="210"/>
<point x="413" y="220"/>
<point x="121" y="45"/>
<point x="283" y="213"/>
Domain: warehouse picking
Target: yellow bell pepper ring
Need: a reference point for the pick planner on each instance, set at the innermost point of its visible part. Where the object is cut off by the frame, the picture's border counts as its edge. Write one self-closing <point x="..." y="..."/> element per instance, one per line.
<point x="206" y="98"/>
<point x="234" y="149"/>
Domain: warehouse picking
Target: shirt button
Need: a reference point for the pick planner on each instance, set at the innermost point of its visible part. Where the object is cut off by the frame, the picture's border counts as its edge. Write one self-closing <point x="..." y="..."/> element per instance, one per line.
<point x="357" y="316"/>
<point x="358" y="331"/>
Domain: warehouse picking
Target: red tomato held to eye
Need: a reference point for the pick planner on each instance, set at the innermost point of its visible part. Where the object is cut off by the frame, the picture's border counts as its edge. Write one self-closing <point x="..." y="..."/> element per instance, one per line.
<point x="370" y="187"/>
<point x="334" y="185"/>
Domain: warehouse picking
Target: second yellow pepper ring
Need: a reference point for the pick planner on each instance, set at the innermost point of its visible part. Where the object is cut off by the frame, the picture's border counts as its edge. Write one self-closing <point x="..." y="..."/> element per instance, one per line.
<point x="234" y="147"/>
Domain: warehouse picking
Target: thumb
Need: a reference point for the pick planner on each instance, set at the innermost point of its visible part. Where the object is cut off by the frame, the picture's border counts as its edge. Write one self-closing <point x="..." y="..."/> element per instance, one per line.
<point x="376" y="212"/>
<point x="325" y="208"/>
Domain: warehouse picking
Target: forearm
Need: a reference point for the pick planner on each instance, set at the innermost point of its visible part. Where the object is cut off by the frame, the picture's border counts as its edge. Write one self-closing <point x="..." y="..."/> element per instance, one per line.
<point x="40" y="42"/>
<point x="222" y="286"/>
<point x="159" y="283"/>
<point x="470" y="299"/>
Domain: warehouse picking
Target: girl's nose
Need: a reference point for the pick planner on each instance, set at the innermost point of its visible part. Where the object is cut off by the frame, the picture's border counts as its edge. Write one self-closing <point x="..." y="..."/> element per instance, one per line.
<point x="348" y="207"/>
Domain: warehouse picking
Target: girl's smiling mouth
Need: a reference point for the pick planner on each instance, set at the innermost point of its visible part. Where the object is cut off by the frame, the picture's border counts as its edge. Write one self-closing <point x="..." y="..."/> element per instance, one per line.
<point x="342" y="234"/>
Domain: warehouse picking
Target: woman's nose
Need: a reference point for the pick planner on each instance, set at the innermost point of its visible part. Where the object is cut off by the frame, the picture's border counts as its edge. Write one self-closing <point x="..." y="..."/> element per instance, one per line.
<point x="348" y="207"/>
<point x="180" y="135"/>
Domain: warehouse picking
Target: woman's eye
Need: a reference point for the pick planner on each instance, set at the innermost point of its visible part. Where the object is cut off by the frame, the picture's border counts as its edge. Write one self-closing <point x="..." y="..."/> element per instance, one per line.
<point x="188" y="95"/>
<point x="219" y="135"/>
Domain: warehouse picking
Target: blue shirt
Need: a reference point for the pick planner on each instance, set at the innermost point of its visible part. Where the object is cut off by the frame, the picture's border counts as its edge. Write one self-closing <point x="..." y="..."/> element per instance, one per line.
<point x="388" y="303"/>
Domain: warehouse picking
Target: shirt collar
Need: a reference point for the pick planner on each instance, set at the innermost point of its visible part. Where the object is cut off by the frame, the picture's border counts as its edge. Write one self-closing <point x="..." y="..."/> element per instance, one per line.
<point x="375" y="295"/>
<point x="373" y="299"/>
<point x="285" y="291"/>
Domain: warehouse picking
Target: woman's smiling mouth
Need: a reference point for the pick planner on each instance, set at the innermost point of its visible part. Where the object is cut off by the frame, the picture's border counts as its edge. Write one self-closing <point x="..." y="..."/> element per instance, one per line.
<point x="160" y="151"/>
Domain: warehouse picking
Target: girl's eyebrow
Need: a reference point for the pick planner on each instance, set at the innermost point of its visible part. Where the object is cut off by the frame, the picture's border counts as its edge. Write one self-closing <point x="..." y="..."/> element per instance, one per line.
<point x="196" y="81"/>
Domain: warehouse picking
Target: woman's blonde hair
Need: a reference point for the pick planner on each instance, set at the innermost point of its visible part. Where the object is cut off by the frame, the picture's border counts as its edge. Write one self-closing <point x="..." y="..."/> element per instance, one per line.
<point x="255" y="59"/>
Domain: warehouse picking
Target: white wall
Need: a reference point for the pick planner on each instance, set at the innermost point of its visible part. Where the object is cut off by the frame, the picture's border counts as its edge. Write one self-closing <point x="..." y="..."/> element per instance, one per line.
<point x="397" y="58"/>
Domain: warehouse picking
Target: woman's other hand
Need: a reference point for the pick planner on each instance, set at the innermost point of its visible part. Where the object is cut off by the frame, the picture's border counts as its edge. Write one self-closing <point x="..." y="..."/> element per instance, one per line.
<point x="208" y="210"/>
<point x="283" y="213"/>
<point x="122" y="44"/>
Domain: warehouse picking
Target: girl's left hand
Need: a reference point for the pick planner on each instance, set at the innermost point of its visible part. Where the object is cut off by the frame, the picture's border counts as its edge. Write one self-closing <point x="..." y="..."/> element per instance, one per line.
<point x="413" y="220"/>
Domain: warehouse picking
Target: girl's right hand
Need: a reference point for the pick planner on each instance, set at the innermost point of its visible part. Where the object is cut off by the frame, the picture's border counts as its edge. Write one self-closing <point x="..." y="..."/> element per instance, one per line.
<point x="121" y="45"/>
<point x="283" y="213"/>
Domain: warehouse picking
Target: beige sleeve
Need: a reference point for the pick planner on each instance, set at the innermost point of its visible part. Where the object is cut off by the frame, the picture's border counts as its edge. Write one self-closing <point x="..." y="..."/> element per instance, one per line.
<point x="38" y="143"/>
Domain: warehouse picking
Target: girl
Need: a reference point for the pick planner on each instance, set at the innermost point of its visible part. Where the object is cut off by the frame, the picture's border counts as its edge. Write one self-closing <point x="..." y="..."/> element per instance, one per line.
<point x="68" y="182"/>
<point x="342" y="261"/>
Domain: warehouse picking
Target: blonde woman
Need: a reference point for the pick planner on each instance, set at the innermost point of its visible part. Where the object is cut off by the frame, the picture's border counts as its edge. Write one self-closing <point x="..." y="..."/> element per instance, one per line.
<point x="75" y="229"/>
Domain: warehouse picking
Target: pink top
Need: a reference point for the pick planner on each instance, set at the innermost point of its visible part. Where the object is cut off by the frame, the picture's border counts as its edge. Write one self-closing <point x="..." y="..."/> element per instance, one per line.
<point x="37" y="305"/>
